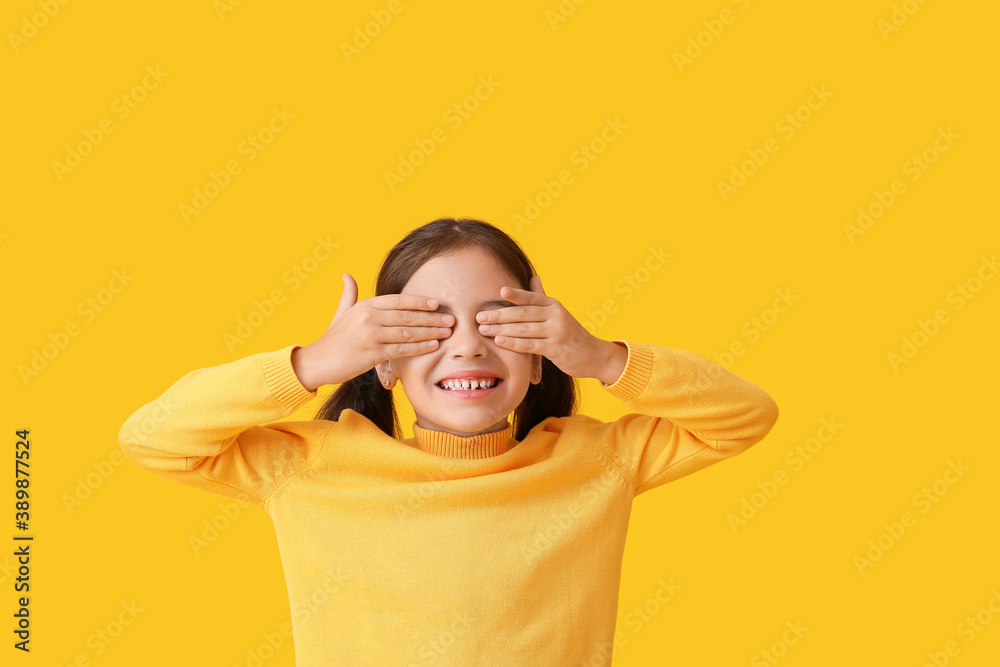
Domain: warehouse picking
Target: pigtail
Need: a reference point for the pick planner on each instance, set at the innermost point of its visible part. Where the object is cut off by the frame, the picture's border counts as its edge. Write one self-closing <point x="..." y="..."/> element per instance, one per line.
<point x="367" y="397"/>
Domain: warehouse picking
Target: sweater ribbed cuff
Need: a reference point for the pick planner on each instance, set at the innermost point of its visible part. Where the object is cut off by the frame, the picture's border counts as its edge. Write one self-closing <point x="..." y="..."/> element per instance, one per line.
<point x="638" y="369"/>
<point x="281" y="379"/>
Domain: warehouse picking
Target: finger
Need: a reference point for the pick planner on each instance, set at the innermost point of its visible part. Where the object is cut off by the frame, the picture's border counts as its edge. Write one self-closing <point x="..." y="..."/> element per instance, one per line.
<point x="525" y="345"/>
<point x="348" y="297"/>
<point x="410" y="309"/>
<point x="415" y="318"/>
<point x="536" y="285"/>
<point x="389" y="335"/>
<point x="396" y="350"/>
<point x="402" y="302"/>
<point x="515" y="329"/>
<point x="527" y="313"/>
<point x="519" y="295"/>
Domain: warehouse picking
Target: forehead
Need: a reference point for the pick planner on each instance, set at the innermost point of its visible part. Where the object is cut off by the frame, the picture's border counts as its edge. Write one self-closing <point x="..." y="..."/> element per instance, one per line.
<point x="469" y="276"/>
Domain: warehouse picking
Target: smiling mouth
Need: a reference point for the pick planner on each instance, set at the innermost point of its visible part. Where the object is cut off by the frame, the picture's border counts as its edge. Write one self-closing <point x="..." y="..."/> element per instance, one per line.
<point x="469" y="393"/>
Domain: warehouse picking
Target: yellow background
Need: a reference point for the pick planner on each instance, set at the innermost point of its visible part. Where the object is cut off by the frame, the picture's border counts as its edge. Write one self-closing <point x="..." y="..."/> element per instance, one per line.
<point x="826" y="357"/>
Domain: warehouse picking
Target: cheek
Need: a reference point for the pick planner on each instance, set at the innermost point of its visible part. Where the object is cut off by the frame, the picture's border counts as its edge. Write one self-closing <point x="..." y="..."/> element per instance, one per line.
<point x="409" y="373"/>
<point x="518" y="365"/>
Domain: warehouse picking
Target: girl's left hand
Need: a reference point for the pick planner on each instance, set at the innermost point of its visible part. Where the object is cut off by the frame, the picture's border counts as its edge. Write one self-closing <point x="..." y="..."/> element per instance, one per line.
<point x="541" y="325"/>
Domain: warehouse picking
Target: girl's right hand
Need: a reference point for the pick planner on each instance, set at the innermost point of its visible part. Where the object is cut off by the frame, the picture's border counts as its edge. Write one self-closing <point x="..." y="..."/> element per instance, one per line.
<point x="366" y="333"/>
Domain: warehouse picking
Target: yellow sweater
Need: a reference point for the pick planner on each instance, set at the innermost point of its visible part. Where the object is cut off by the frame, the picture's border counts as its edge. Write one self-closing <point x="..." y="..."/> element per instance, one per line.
<point x="440" y="549"/>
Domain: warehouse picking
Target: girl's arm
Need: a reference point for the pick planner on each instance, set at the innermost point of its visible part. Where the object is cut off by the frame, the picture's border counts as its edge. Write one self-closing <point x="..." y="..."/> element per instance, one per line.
<point x="210" y="429"/>
<point x="689" y="413"/>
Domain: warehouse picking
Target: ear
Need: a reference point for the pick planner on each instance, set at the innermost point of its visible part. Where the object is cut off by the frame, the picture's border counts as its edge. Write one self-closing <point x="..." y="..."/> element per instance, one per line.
<point x="535" y="368"/>
<point x="385" y="374"/>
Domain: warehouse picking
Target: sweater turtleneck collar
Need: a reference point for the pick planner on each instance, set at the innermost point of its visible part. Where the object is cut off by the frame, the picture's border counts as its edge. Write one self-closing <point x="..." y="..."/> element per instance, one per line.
<point x="454" y="446"/>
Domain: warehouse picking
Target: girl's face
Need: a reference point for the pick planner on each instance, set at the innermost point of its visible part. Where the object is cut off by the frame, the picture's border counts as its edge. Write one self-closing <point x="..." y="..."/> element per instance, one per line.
<point x="464" y="284"/>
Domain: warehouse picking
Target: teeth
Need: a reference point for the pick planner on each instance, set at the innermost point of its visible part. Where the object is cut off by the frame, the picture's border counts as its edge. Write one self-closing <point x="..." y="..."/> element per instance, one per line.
<point x="468" y="384"/>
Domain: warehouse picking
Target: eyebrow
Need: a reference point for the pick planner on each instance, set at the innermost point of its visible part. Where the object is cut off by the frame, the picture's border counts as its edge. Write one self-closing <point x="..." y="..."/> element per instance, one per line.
<point x="493" y="303"/>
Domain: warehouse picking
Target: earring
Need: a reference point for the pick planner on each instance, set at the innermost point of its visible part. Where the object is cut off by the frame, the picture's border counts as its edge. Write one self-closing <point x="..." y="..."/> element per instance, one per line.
<point x="537" y="376"/>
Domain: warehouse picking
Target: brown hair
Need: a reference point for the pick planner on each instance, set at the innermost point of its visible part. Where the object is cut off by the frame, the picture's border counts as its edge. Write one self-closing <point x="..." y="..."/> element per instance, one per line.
<point x="554" y="396"/>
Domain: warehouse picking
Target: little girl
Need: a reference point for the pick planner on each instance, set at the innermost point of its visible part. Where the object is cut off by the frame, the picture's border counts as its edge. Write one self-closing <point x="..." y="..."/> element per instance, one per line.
<point x="478" y="541"/>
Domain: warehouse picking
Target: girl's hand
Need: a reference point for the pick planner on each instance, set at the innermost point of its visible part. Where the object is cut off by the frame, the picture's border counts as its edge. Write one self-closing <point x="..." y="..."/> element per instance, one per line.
<point x="365" y="333"/>
<point x="541" y="325"/>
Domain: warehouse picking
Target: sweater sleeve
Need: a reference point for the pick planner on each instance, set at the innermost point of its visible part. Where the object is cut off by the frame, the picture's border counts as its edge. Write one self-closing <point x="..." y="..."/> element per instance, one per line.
<point x="210" y="429"/>
<point x="690" y="412"/>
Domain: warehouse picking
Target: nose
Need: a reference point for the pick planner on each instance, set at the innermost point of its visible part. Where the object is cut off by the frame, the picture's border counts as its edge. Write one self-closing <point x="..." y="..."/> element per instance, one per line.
<point x="465" y="339"/>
